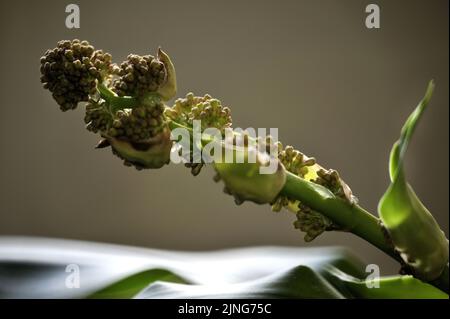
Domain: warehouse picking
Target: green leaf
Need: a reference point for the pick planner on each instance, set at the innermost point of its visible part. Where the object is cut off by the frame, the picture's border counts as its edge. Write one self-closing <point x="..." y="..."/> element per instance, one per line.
<point x="412" y="228"/>
<point x="37" y="268"/>
<point x="132" y="285"/>
<point x="393" y="287"/>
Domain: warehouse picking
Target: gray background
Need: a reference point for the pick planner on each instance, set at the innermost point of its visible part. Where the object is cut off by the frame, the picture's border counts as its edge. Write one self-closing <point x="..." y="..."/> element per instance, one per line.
<point x="335" y="90"/>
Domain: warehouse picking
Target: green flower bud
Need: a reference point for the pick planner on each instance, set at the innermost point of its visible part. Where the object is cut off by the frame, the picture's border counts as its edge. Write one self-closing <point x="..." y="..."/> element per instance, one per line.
<point x="139" y="75"/>
<point x="312" y="223"/>
<point x="139" y="123"/>
<point x="140" y="136"/>
<point x="208" y="110"/>
<point x="103" y="65"/>
<point x="245" y="182"/>
<point x="331" y="180"/>
<point x="97" y="117"/>
<point x="296" y="163"/>
<point x="71" y="70"/>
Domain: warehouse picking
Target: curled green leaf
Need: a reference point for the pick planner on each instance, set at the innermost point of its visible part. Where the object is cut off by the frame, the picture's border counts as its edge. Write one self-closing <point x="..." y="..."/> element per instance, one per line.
<point x="412" y="228"/>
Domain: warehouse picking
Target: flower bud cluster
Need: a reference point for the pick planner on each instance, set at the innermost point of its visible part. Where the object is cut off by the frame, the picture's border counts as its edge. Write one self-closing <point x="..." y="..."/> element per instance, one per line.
<point x="139" y="75"/>
<point x="208" y="110"/>
<point x="71" y="71"/>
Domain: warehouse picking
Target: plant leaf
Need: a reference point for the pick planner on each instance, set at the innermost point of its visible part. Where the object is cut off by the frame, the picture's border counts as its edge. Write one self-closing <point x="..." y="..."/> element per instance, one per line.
<point x="36" y="268"/>
<point x="392" y="287"/>
<point x="412" y="228"/>
<point x="132" y="285"/>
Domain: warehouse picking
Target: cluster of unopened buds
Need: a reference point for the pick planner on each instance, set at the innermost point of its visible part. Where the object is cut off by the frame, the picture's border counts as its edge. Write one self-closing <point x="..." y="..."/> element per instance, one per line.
<point x="126" y="105"/>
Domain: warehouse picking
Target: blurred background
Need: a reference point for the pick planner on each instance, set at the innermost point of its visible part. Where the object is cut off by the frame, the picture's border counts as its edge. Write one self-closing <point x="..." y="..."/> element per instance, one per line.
<point x="336" y="90"/>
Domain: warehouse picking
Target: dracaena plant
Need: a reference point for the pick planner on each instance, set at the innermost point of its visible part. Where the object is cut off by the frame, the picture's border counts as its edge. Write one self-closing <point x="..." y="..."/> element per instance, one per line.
<point x="126" y="106"/>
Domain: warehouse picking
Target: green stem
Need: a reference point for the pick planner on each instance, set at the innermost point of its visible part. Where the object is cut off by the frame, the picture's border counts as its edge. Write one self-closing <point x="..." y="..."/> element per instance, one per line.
<point x="352" y="218"/>
<point x="116" y="102"/>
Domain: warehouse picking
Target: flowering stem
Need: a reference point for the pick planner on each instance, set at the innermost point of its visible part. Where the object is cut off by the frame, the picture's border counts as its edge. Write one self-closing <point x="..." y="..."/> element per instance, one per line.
<point x="351" y="218"/>
<point x="141" y="138"/>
